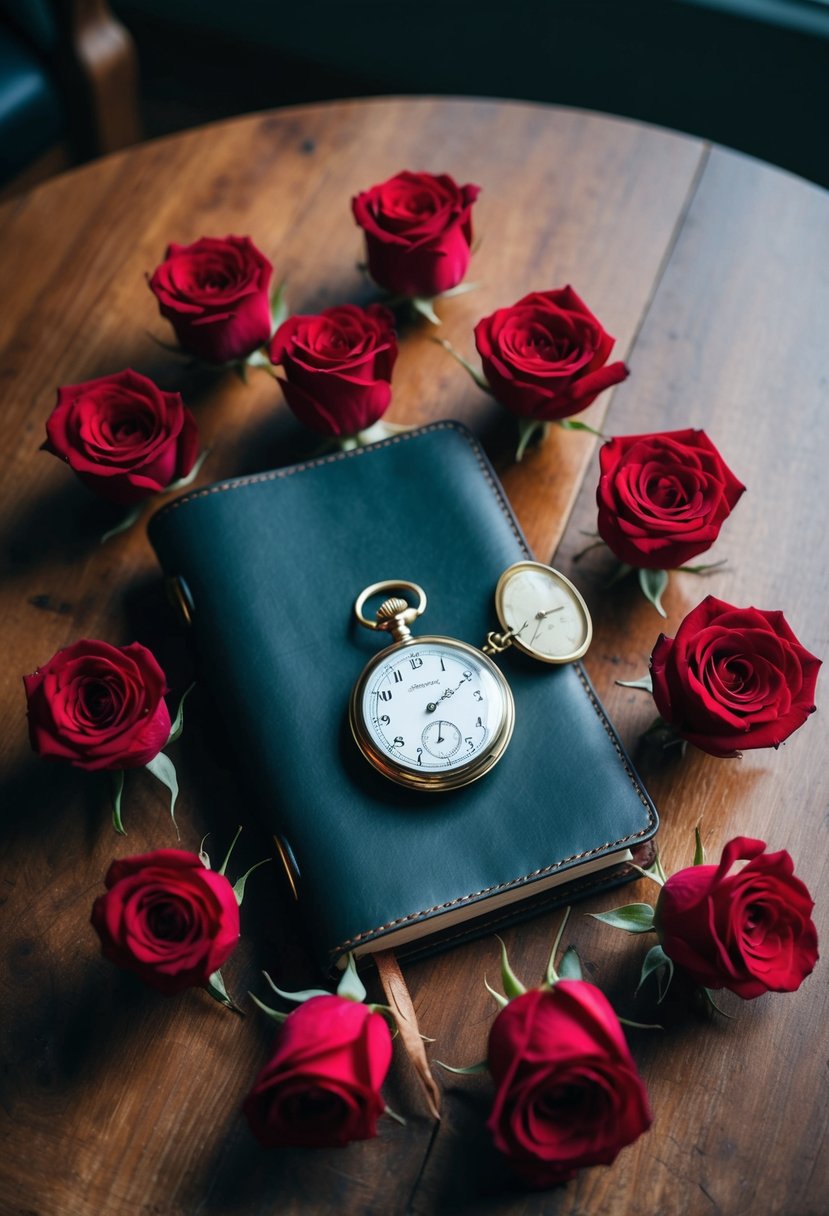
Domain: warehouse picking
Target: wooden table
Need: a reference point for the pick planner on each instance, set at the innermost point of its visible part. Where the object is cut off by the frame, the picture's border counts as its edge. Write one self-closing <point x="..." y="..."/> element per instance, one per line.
<point x="711" y="271"/>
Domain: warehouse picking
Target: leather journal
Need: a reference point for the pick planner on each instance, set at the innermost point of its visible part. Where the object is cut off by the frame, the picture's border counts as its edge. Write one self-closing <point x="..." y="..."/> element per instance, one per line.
<point x="267" y="569"/>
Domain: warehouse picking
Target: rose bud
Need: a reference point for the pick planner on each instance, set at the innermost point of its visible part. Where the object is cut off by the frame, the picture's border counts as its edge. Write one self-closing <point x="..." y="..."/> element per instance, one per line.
<point x="99" y="706"/>
<point x="337" y="367"/>
<point x="749" y="931"/>
<point x="123" y="437"/>
<point x="321" y="1087"/>
<point x="567" y="1091"/>
<point x="544" y="358"/>
<point x="215" y="294"/>
<point x="418" y="230"/>
<point x="663" y="497"/>
<point x="733" y="678"/>
<point x="167" y="918"/>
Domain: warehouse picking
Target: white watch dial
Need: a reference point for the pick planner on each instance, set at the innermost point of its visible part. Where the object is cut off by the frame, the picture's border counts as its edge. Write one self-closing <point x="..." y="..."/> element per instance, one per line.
<point x="548" y="615"/>
<point x="431" y="706"/>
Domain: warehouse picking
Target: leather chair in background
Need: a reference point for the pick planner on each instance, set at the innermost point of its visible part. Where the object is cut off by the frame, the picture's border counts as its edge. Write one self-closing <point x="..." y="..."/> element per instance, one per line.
<point x="68" y="87"/>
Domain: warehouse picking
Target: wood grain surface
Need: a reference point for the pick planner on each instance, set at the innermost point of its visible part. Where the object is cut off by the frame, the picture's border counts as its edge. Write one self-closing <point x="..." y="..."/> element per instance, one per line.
<point x="711" y="271"/>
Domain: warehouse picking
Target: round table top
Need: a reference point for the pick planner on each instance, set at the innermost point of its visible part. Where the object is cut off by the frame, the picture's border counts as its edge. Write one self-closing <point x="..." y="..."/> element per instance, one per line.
<point x="709" y="269"/>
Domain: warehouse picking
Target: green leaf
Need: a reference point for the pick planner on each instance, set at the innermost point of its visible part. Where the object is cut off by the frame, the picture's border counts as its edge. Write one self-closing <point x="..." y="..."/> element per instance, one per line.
<point x="275" y="1014"/>
<point x="706" y="568"/>
<point x="527" y="429"/>
<point x="570" y="966"/>
<point x="596" y="544"/>
<point x="117" y="782"/>
<point x="424" y="307"/>
<point x="471" y="1070"/>
<point x="391" y="1021"/>
<point x="127" y="522"/>
<point x="502" y="1000"/>
<point x="203" y="857"/>
<point x="162" y="767"/>
<point x="459" y="290"/>
<point x="479" y="378"/>
<point x="298" y="997"/>
<point x="351" y="986"/>
<point x="223" y="866"/>
<point x="645" y="683"/>
<point x="570" y="424"/>
<point x="216" y="987"/>
<point x="178" y="722"/>
<point x="239" y="885"/>
<point x="699" y="849"/>
<point x="653" y="584"/>
<point x="392" y="1114"/>
<point x="633" y="918"/>
<point x="184" y="482"/>
<point x="551" y="975"/>
<point x="640" y="1025"/>
<point x="622" y="571"/>
<point x="709" y="997"/>
<point x="279" y="307"/>
<point x="511" y="984"/>
<point x="656" y="960"/>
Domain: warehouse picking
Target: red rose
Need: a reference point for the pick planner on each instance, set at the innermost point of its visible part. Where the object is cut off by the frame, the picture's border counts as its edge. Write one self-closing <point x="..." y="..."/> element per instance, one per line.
<point x="750" y="931"/>
<point x="215" y="294"/>
<point x="544" y="358"/>
<point x="168" y="918"/>
<point x="99" y="706"/>
<point x="123" y="436"/>
<point x="337" y="367"/>
<point x="567" y="1090"/>
<point x="321" y="1087"/>
<point x="663" y="498"/>
<point x="733" y="678"/>
<point x="418" y="230"/>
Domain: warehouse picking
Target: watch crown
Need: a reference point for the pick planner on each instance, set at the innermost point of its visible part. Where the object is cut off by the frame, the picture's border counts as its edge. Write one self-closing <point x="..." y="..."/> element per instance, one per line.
<point x="391" y="608"/>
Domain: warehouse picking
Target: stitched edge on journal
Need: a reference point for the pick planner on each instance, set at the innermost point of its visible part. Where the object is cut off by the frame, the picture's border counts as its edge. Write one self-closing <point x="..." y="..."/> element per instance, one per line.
<point x="238" y="483"/>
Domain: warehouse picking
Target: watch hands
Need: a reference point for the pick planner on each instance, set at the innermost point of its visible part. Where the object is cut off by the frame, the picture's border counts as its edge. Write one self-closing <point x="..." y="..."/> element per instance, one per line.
<point x="450" y="692"/>
<point x="540" y="616"/>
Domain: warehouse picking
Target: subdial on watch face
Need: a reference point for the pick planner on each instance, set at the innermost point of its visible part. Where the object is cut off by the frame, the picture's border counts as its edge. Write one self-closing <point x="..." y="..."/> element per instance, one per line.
<point x="441" y="738"/>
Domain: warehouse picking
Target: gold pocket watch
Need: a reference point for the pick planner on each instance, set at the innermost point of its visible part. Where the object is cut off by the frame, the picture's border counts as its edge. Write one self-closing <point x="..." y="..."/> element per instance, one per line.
<point x="434" y="713"/>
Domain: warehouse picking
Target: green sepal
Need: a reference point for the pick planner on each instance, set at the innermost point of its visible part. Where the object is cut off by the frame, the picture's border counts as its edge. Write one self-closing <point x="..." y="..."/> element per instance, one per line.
<point x="425" y="308"/>
<point x="184" y="482"/>
<point x="644" y="682"/>
<point x="178" y="722"/>
<point x="203" y="855"/>
<point x="351" y="986"/>
<point x="640" y="1025"/>
<point x="594" y="544"/>
<point x="570" y="966"/>
<point x="633" y="918"/>
<point x="623" y="569"/>
<point x="471" y="1070"/>
<point x="164" y="770"/>
<point x="550" y="973"/>
<point x="653" y="584"/>
<point x="706" y="568"/>
<point x="129" y="519"/>
<point x="527" y="429"/>
<point x="571" y="424"/>
<point x="392" y="1114"/>
<point x="223" y="866"/>
<point x="241" y="370"/>
<point x="709" y="997"/>
<point x="279" y="306"/>
<point x="656" y="960"/>
<point x="239" y="885"/>
<point x="460" y="289"/>
<point x="479" y="378"/>
<point x="275" y="1015"/>
<point x="117" y="781"/>
<point x="216" y="987"/>
<point x="509" y="980"/>
<point x="391" y="1021"/>
<point x="699" y="849"/>
<point x="501" y="1000"/>
<point x="297" y="997"/>
<point x="654" y="872"/>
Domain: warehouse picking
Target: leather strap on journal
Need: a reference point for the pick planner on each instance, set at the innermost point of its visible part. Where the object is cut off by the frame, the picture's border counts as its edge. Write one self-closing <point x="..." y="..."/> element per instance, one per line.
<point x="400" y="1002"/>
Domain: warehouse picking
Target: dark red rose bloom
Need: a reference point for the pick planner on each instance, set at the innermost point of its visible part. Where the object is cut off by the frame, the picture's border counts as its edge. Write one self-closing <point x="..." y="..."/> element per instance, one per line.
<point x="663" y="497"/>
<point x="99" y="706"/>
<point x="215" y="294"/>
<point x="123" y="436"/>
<point x="321" y="1087"/>
<point x="567" y="1091"/>
<point x="167" y="918"/>
<point x="750" y="931"/>
<point x="337" y="367"/>
<point x="733" y="678"/>
<point x="544" y="358"/>
<point x="418" y="231"/>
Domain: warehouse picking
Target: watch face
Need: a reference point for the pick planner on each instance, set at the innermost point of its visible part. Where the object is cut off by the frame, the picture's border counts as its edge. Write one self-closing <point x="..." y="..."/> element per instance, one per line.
<point x="549" y="618"/>
<point x="432" y="712"/>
